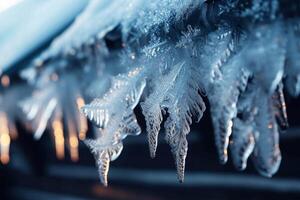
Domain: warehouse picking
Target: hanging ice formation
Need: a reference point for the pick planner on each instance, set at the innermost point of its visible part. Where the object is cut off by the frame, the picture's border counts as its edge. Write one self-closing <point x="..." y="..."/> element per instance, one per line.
<point x="168" y="54"/>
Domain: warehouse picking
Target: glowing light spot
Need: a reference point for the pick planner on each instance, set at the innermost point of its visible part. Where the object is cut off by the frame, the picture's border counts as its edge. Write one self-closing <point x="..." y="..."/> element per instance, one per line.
<point x="58" y="139"/>
<point x="5" y="81"/>
<point x="4" y="139"/>
<point x="82" y="120"/>
<point x="270" y="126"/>
<point x="73" y="141"/>
<point x="80" y="102"/>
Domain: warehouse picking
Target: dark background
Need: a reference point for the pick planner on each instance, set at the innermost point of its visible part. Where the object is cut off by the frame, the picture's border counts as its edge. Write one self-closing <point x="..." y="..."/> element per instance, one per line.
<point x="35" y="173"/>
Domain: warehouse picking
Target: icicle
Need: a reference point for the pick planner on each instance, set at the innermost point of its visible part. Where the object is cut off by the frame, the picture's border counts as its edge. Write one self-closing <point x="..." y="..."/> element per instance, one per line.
<point x="152" y="107"/>
<point x="242" y="143"/>
<point x="266" y="154"/>
<point x="223" y="102"/>
<point x="113" y="114"/>
<point x="280" y="107"/>
<point x="238" y="52"/>
<point x="292" y="67"/>
<point x="104" y="151"/>
<point x="267" y="46"/>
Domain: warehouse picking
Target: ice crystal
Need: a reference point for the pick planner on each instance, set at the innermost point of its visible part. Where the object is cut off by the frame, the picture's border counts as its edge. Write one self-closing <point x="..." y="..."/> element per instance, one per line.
<point x="115" y="120"/>
<point x="166" y="55"/>
<point x="232" y="65"/>
<point x="168" y="95"/>
<point x="48" y="106"/>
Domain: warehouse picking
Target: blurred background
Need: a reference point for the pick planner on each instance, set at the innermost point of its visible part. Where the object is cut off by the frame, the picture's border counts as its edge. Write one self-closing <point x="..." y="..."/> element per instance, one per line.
<point x="34" y="169"/>
<point x="34" y="172"/>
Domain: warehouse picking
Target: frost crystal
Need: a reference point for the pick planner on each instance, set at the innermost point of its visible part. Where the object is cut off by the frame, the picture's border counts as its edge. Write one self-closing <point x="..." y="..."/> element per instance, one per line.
<point x="165" y="55"/>
<point x="228" y="63"/>
<point x="115" y="120"/>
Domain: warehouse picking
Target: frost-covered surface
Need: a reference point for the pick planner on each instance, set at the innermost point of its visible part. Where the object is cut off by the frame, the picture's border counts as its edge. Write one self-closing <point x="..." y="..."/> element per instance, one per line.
<point x="21" y="31"/>
<point x="168" y="55"/>
<point x="142" y="16"/>
<point x="113" y="115"/>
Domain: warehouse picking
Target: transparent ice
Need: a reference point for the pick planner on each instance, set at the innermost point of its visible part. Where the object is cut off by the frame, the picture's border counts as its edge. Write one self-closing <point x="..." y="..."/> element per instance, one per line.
<point x="240" y="55"/>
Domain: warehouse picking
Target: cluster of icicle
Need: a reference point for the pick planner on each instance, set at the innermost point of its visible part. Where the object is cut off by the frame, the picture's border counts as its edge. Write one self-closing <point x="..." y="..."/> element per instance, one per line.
<point x="239" y="54"/>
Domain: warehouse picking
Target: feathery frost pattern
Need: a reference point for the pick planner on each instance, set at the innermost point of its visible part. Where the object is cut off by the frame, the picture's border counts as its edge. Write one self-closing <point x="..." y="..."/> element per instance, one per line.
<point x="177" y="125"/>
<point x="230" y="64"/>
<point x="168" y="57"/>
<point x="115" y="120"/>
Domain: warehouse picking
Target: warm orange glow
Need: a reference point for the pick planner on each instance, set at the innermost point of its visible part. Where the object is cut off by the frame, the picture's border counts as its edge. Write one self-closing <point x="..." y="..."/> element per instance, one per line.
<point x="4" y="143"/>
<point x="113" y="192"/>
<point x="82" y="135"/>
<point x="83" y="127"/>
<point x="4" y="139"/>
<point x="82" y="120"/>
<point x="80" y="102"/>
<point x="59" y="139"/>
<point x="225" y="152"/>
<point x="5" y="81"/>
<point x="73" y="142"/>
<point x="5" y="157"/>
